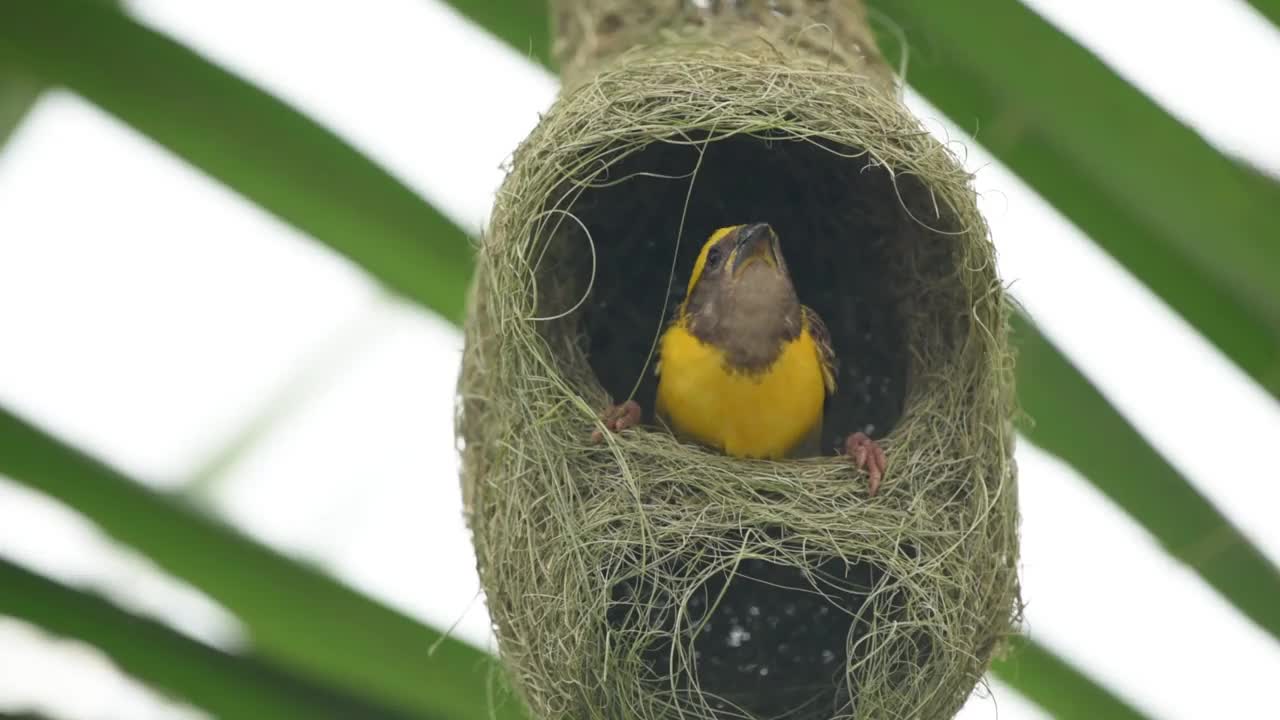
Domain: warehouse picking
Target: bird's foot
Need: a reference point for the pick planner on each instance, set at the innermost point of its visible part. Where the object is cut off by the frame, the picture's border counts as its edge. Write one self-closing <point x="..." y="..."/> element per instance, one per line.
<point x="866" y="455"/>
<point x="617" y="418"/>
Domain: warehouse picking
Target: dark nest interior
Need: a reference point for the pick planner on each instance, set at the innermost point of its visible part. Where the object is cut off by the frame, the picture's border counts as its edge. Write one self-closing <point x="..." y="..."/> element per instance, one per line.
<point x="837" y="218"/>
<point x="758" y="638"/>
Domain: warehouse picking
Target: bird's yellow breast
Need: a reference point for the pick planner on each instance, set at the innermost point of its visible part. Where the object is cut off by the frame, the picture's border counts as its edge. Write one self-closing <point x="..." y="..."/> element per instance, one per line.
<point x="763" y="414"/>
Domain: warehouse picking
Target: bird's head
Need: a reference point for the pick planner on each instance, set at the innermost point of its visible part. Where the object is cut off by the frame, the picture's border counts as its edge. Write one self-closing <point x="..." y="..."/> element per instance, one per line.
<point x="740" y="294"/>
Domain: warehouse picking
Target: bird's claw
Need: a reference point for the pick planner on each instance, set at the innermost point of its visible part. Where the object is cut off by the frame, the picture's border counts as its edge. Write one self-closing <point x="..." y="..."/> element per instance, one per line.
<point x="866" y="455"/>
<point x="617" y="418"/>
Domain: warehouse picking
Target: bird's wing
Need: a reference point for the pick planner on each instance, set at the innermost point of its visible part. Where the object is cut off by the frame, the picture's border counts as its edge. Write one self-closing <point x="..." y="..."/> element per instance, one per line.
<point x="818" y="331"/>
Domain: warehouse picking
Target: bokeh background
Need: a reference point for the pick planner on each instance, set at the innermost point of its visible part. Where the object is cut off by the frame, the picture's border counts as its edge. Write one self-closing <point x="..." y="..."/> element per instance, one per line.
<point x="160" y="321"/>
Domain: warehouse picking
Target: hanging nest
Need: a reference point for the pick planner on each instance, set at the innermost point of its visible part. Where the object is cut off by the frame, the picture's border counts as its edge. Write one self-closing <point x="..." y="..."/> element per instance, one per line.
<point x="646" y="578"/>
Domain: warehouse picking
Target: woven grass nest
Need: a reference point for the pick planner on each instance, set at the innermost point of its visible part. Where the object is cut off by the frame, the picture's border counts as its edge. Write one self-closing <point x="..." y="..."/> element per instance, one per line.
<point x="643" y="578"/>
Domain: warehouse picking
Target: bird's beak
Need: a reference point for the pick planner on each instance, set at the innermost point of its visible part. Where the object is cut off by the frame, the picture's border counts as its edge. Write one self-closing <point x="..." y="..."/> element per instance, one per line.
<point x="755" y="242"/>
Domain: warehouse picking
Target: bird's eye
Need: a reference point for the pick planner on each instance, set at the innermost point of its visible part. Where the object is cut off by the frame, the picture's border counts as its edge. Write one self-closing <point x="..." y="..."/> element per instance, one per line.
<point x="713" y="257"/>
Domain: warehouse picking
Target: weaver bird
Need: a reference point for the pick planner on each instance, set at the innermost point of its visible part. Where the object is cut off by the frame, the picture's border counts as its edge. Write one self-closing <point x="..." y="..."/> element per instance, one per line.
<point x="744" y="367"/>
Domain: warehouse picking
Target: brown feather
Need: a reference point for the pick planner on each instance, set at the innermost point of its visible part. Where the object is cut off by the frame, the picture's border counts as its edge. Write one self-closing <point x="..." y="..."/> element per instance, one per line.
<point x="818" y="331"/>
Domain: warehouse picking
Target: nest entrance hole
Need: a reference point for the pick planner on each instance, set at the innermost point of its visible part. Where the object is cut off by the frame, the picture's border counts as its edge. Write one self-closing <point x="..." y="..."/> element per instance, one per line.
<point x="841" y="226"/>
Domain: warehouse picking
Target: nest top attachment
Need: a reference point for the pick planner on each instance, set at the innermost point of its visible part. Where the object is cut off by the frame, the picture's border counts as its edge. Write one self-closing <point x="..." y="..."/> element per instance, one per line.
<point x="645" y="578"/>
<point x="591" y="34"/>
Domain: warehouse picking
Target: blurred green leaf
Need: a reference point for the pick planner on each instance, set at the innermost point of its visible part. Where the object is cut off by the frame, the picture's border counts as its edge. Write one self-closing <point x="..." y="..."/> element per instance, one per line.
<point x="18" y="92"/>
<point x="1057" y="686"/>
<point x="1187" y="221"/>
<point x="224" y="684"/>
<point x="1072" y="420"/>
<point x="297" y="617"/>
<point x="1259" y="175"/>
<point x="1270" y="9"/>
<point x="524" y="24"/>
<point x="256" y="144"/>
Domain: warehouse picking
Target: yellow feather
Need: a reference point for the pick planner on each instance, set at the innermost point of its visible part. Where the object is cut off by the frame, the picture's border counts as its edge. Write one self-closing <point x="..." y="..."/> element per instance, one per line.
<point x="765" y="414"/>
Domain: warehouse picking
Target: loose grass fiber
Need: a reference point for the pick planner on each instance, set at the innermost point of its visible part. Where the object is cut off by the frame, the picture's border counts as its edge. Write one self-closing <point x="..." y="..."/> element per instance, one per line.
<point x="643" y="578"/>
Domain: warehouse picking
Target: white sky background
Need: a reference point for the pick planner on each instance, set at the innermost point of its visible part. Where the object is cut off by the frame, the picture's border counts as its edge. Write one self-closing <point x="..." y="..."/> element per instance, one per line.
<point x="147" y="313"/>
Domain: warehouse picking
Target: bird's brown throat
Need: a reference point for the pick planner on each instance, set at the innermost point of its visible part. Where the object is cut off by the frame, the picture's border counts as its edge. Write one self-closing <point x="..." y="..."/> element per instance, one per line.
<point x="751" y="319"/>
